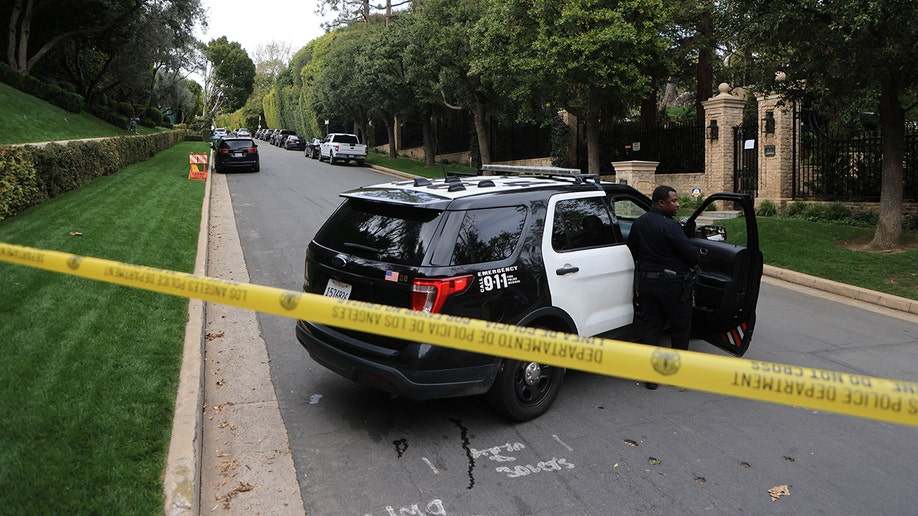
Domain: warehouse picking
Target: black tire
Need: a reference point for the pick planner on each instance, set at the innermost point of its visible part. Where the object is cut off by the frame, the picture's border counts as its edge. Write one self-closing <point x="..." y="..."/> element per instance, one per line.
<point x="359" y="162"/>
<point x="523" y="391"/>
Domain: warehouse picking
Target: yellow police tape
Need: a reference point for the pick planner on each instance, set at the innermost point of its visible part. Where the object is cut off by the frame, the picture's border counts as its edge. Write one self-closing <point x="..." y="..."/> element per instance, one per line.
<point x="846" y="393"/>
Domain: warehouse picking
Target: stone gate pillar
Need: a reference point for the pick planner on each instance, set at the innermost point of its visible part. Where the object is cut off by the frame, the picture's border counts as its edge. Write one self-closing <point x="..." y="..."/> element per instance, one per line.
<point x="776" y="148"/>
<point x="723" y="111"/>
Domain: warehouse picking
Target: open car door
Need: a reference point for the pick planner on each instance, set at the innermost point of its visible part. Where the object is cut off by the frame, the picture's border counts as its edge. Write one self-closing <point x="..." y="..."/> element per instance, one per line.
<point x="731" y="272"/>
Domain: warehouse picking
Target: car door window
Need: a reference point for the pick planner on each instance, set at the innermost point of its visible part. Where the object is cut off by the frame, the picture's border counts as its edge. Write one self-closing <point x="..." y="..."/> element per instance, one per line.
<point x="626" y="211"/>
<point x="582" y="223"/>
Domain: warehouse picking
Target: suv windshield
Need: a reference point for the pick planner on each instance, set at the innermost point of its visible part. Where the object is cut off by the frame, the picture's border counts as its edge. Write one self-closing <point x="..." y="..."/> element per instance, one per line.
<point x="379" y="231"/>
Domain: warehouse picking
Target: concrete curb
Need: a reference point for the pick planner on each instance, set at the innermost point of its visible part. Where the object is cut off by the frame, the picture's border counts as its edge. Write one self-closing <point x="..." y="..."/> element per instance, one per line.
<point x="182" y="475"/>
<point x="899" y="304"/>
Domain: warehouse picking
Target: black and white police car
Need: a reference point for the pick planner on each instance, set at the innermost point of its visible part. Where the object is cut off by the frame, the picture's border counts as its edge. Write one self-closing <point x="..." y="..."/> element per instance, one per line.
<point x="541" y="247"/>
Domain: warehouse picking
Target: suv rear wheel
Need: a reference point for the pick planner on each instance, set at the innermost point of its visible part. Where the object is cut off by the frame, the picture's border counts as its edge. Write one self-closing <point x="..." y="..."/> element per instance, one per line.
<point x="524" y="390"/>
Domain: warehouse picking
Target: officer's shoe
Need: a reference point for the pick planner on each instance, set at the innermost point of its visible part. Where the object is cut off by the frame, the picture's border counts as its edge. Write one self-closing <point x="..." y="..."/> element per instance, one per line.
<point x="651" y="386"/>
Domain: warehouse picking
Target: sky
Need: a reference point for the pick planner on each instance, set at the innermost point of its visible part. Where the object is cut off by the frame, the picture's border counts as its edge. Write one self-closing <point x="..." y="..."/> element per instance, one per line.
<point x="255" y="23"/>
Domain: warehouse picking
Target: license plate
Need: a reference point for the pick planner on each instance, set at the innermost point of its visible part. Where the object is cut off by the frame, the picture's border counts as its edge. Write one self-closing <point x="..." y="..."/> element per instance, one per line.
<point x="237" y="154"/>
<point x="338" y="289"/>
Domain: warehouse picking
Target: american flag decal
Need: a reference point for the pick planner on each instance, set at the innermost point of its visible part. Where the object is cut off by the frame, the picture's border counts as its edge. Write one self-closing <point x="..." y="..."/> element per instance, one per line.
<point x="391" y="275"/>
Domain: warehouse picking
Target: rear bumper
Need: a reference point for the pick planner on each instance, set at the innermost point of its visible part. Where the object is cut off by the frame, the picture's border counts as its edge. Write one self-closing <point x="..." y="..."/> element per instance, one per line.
<point x="418" y="377"/>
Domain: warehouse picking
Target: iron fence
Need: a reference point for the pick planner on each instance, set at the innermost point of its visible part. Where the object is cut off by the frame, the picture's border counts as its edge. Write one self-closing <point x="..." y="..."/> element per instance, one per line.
<point x="846" y="166"/>
<point x="677" y="146"/>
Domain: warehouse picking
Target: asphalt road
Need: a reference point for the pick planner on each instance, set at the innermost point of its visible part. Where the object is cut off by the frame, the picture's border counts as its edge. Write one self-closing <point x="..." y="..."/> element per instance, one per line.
<point x="607" y="446"/>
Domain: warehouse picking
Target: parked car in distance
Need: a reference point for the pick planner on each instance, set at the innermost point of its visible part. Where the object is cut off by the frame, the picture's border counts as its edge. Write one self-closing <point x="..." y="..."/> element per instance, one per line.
<point x="218" y="133"/>
<point x="236" y="154"/>
<point x="514" y="249"/>
<point x="242" y="132"/>
<point x="342" y="147"/>
<point x="312" y="148"/>
<point x="282" y="135"/>
<point x="293" y="142"/>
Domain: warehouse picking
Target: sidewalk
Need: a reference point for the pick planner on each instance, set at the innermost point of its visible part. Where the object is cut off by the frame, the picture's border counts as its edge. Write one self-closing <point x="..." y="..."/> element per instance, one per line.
<point x="234" y="457"/>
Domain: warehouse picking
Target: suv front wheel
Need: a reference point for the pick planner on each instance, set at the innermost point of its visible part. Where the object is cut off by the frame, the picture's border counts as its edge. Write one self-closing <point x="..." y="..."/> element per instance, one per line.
<point x="524" y="390"/>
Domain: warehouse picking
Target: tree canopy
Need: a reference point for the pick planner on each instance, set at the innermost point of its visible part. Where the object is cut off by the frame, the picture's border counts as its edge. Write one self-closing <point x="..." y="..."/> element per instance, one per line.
<point x="856" y="53"/>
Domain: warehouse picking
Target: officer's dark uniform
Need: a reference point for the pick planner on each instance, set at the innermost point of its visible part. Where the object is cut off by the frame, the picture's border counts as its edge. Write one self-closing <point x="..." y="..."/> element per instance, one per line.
<point x="659" y="244"/>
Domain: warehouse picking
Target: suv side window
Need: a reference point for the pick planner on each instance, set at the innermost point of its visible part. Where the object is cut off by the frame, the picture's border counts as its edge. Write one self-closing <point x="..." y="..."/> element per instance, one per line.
<point x="488" y="235"/>
<point x="626" y="210"/>
<point x="580" y="224"/>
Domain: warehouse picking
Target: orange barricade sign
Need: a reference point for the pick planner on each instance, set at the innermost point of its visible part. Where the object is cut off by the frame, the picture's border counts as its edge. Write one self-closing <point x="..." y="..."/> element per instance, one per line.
<point x="196" y="161"/>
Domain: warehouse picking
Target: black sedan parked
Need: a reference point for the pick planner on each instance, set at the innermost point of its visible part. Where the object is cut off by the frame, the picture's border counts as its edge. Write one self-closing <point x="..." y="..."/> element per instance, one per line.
<point x="294" y="142"/>
<point x="312" y="148"/>
<point x="236" y="153"/>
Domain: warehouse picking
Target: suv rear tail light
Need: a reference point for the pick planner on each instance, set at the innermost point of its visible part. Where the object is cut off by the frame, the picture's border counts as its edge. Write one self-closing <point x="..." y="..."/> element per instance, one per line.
<point x="429" y="295"/>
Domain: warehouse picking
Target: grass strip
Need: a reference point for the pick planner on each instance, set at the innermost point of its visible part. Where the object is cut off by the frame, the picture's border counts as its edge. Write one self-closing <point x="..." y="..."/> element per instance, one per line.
<point x="826" y="250"/>
<point x="29" y="119"/>
<point x="89" y="371"/>
<point x="417" y="167"/>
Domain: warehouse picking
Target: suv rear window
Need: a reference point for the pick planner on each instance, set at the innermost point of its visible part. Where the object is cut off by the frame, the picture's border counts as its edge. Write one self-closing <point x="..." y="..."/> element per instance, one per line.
<point x="237" y="144"/>
<point x="379" y="231"/>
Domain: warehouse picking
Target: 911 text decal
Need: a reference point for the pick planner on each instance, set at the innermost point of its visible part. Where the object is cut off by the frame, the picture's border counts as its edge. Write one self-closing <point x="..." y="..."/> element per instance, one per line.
<point x="498" y="278"/>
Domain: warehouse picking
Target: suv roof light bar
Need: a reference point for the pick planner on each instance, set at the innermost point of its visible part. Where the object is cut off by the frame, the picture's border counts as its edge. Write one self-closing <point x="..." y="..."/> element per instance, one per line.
<point x="526" y="170"/>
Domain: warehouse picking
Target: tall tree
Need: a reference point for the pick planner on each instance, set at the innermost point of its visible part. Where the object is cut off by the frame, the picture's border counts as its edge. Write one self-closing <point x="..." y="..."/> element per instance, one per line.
<point x="844" y="53"/>
<point x="444" y="34"/>
<point x="336" y="94"/>
<point x="592" y="57"/>
<point x="233" y="71"/>
<point x="350" y="11"/>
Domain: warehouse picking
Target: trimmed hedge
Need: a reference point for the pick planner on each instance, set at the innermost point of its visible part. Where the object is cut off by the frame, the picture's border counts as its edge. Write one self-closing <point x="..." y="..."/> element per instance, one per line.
<point x="32" y="174"/>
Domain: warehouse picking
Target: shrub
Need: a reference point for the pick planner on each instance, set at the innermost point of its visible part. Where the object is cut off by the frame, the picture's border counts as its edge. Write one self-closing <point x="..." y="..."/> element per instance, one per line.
<point x="910" y="222"/>
<point x="124" y="109"/>
<point x="836" y="211"/>
<point x="766" y="209"/>
<point x="18" y="184"/>
<point x="813" y="212"/>
<point x="154" y="115"/>
<point x="794" y="209"/>
<point x="56" y="95"/>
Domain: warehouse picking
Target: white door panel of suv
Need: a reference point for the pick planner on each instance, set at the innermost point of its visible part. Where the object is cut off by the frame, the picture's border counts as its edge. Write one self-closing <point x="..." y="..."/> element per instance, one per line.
<point x="589" y="273"/>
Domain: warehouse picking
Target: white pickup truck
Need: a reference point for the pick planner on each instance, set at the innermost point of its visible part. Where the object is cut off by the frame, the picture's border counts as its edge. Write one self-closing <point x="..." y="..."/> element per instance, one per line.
<point x="342" y="147"/>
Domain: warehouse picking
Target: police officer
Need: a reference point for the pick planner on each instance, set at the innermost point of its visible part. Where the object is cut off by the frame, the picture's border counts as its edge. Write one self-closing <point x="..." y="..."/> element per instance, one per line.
<point x="666" y="262"/>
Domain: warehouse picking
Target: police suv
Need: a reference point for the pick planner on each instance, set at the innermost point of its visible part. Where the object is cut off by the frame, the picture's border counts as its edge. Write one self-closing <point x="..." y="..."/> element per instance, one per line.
<point x="539" y="247"/>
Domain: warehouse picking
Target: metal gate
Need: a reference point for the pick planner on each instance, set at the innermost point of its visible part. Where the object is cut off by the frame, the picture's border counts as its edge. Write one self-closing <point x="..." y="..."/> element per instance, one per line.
<point x="746" y="159"/>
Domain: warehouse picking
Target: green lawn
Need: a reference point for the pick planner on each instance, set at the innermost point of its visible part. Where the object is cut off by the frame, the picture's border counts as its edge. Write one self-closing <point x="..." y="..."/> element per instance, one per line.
<point x="27" y="119"/>
<point x="90" y="369"/>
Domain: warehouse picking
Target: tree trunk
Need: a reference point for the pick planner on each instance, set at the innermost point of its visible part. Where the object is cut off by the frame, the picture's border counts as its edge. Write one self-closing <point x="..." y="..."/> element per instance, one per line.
<point x="481" y="131"/>
<point x="430" y="150"/>
<point x="704" y="78"/>
<point x="592" y="141"/>
<point x="12" y="33"/>
<point x="390" y="132"/>
<point x="892" y="127"/>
